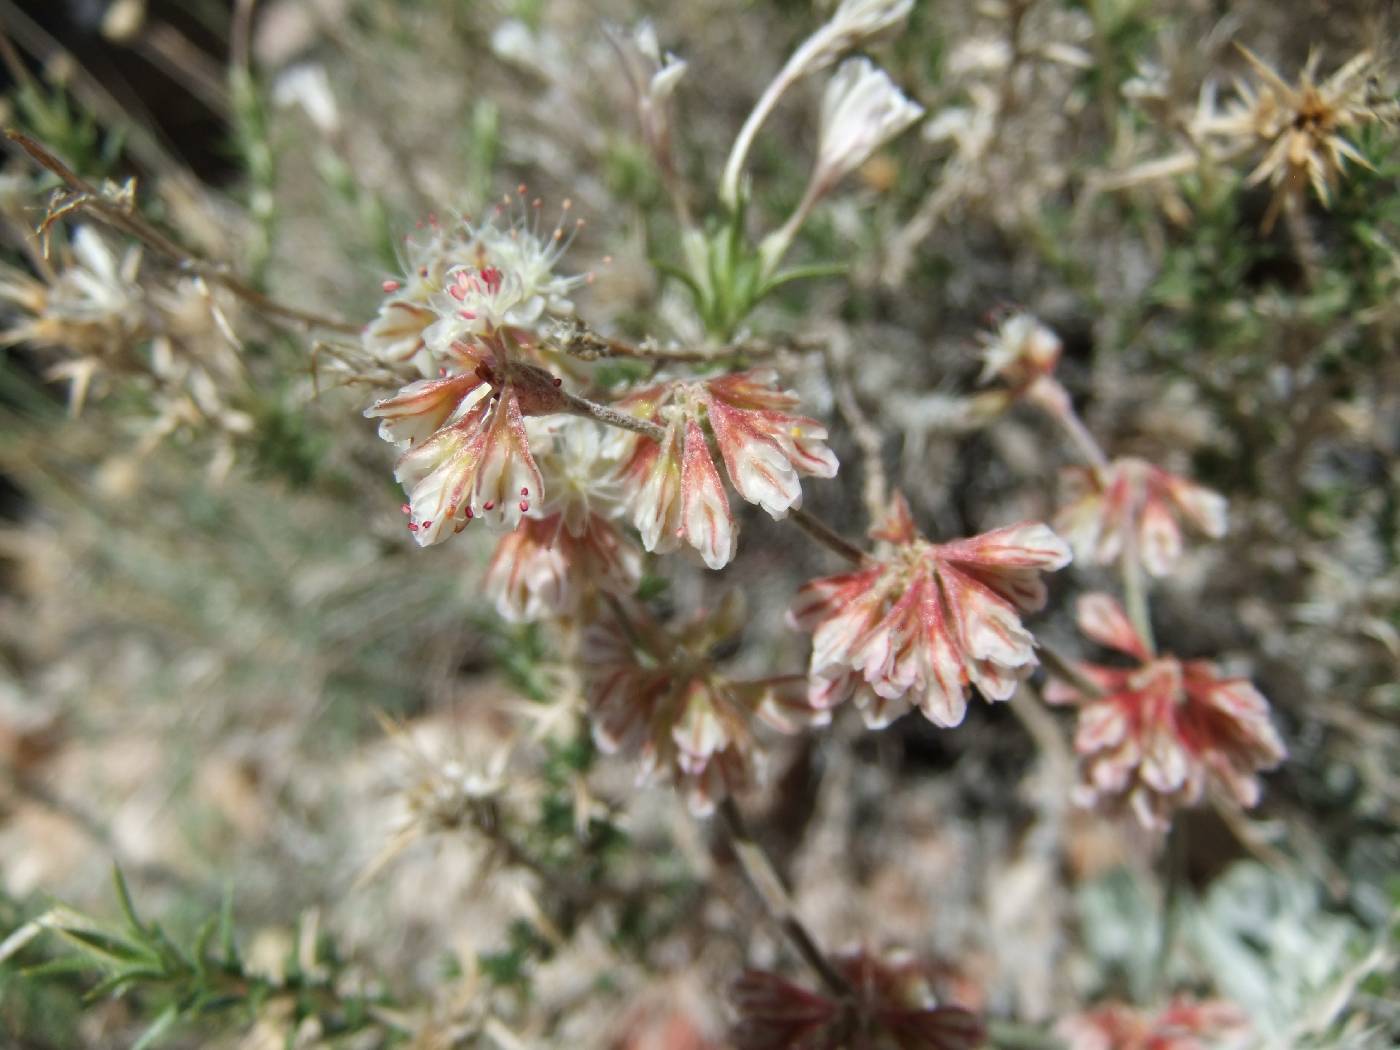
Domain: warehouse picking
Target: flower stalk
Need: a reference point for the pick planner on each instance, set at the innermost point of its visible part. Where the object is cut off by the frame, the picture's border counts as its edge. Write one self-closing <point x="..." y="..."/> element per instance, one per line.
<point x="768" y="887"/>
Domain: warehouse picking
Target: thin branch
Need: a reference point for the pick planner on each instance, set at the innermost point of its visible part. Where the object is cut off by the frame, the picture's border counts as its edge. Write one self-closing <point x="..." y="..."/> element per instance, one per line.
<point x="826" y="535"/>
<point x="91" y="199"/>
<point x="1062" y="667"/>
<point x="581" y="406"/>
<point x="577" y="339"/>
<point x="769" y="888"/>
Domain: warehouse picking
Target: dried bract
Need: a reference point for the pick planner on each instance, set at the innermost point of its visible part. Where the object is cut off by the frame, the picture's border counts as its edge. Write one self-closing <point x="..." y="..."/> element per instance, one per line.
<point x="893" y="1006"/>
<point x="1301" y="127"/>
<point x="927" y="620"/>
<point x="655" y="695"/>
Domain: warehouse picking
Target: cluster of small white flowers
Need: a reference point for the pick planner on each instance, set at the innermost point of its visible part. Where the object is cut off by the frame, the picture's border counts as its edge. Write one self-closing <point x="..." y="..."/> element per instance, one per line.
<point x="464" y="280"/>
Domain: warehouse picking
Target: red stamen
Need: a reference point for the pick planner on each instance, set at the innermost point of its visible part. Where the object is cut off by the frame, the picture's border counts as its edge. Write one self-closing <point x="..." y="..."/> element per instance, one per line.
<point x="391" y="286"/>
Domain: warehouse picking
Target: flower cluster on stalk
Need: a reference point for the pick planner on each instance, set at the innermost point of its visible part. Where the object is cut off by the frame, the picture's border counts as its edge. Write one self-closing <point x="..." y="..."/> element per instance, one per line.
<point x="925" y="621"/>
<point x="1130" y="504"/>
<point x="655" y="695"/>
<point x="569" y="548"/>
<point x="468" y="315"/>
<point x="674" y="489"/>
<point x="1154" y="735"/>
<point x="101" y="317"/>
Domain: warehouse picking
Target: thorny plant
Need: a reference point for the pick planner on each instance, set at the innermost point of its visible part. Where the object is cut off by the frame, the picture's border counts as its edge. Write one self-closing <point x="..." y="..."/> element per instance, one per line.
<point x="588" y="458"/>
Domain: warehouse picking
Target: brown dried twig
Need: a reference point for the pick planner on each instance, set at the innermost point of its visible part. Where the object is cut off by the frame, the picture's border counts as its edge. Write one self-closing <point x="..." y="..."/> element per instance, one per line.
<point x="83" y="196"/>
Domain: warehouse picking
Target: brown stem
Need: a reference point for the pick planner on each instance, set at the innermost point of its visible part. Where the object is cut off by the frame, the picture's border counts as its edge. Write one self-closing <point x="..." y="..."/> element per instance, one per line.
<point x="92" y="200"/>
<point x="826" y="536"/>
<point x="581" y="406"/>
<point x="769" y="889"/>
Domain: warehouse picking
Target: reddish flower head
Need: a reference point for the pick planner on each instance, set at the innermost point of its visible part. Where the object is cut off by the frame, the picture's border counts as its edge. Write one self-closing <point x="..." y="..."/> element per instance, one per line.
<point x="1131" y="499"/>
<point x="566" y="549"/>
<point x="893" y="1006"/>
<point x="928" y="620"/>
<point x="1185" y="1024"/>
<point x="1155" y="734"/>
<point x="674" y="488"/>
<point x="655" y="695"/>
<point x="478" y="467"/>
<point x="543" y="570"/>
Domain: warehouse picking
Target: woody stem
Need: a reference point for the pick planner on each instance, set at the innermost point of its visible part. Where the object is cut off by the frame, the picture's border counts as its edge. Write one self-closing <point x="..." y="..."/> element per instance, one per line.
<point x="91" y="199"/>
<point x="769" y="889"/>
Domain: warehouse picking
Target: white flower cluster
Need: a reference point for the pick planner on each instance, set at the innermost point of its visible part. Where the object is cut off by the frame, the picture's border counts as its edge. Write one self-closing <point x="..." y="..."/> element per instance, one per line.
<point x="464" y="280"/>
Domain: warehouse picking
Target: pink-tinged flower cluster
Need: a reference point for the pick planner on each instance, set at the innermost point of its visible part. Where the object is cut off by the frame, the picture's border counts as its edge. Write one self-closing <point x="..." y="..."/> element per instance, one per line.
<point x="927" y="620"/>
<point x="396" y="335"/>
<point x="464" y="280"/>
<point x="893" y="1005"/>
<point x="1184" y="1024"/>
<point x="567" y="548"/>
<point x="654" y="695"/>
<point x="1020" y="351"/>
<point x="1131" y="503"/>
<point x="475" y="463"/>
<point x="1155" y="734"/>
<point x="541" y="570"/>
<point x="676" y="495"/>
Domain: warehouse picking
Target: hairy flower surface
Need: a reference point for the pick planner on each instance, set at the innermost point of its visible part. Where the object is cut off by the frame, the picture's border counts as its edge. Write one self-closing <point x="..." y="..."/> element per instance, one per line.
<point x="674" y="488"/>
<point x="395" y="336"/>
<point x="861" y="111"/>
<point x="1130" y="499"/>
<point x="893" y="1006"/>
<point x="465" y="280"/>
<point x="509" y="283"/>
<point x="655" y="695"/>
<point x="567" y="547"/>
<point x="1185" y="1024"/>
<point x="1155" y="734"/>
<point x="921" y="624"/>
<point x="1302" y="127"/>
<point x="1021" y="350"/>
<point x="479" y="466"/>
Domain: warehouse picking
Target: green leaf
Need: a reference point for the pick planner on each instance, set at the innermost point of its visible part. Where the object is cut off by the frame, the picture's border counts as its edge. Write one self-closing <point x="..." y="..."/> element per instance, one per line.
<point x="802" y="273"/>
<point x="116" y="983"/>
<point x="159" y="1027"/>
<point x="107" y="945"/>
<point x="228" y="947"/>
<point x="124" y="899"/>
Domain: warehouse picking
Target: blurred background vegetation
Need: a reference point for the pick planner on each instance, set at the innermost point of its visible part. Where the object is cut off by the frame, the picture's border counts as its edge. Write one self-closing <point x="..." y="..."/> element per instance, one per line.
<point x="204" y="600"/>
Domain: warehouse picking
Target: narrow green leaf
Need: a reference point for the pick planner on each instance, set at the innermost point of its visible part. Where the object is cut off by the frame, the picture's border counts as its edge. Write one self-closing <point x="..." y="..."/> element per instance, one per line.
<point x="159" y="1027"/>
<point x="124" y="899"/>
